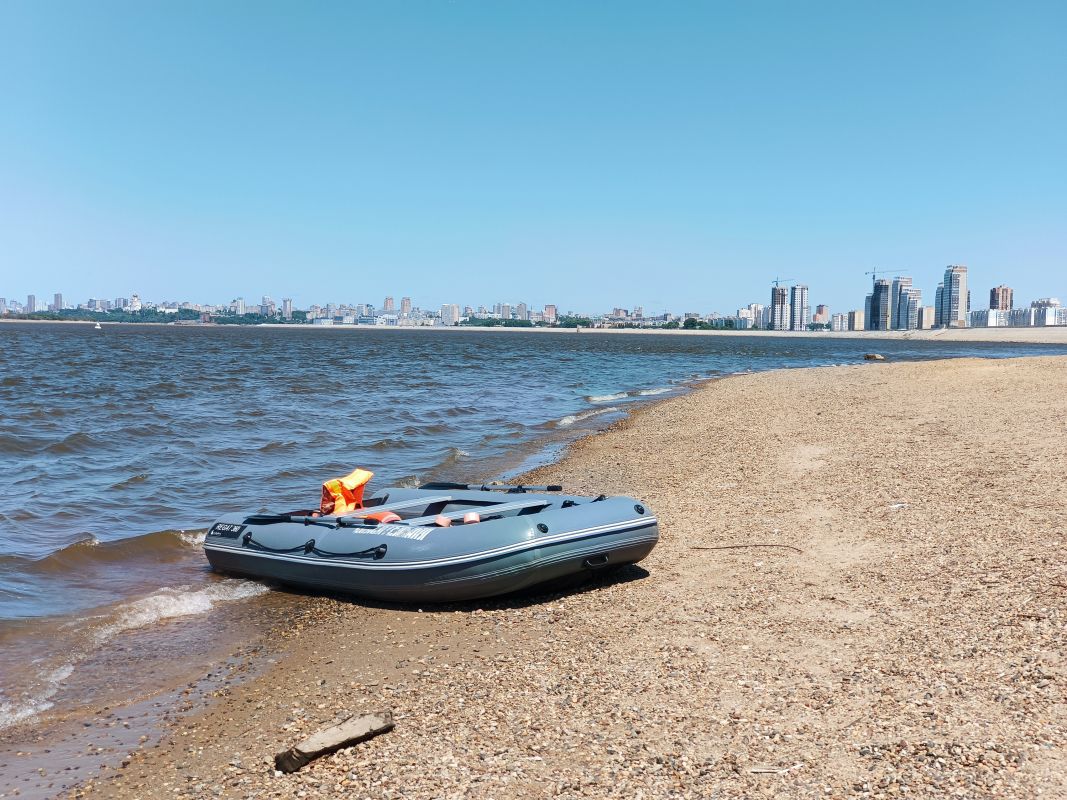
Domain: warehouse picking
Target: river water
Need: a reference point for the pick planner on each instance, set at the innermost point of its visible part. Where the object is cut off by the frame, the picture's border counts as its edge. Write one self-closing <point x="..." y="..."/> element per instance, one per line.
<point x="119" y="447"/>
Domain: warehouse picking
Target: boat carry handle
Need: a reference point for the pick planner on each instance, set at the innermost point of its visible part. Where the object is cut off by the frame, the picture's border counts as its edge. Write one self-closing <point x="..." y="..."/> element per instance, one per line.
<point x="596" y="562"/>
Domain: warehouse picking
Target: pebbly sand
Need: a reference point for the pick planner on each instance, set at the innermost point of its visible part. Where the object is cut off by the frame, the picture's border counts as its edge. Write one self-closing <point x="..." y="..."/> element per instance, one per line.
<point x="906" y="633"/>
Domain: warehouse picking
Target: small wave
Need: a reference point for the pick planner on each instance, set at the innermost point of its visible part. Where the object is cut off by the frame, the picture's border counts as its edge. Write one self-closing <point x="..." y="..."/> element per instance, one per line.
<point x="11" y="380"/>
<point x="11" y="444"/>
<point x="454" y="454"/>
<point x="458" y="411"/>
<point x="88" y="552"/>
<point x="167" y="603"/>
<point x="74" y="443"/>
<point x="140" y="477"/>
<point x="652" y="392"/>
<point x="181" y="601"/>
<point x="193" y="539"/>
<point x="432" y="429"/>
<point x="606" y="398"/>
<point x="272" y="447"/>
<point x="570" y="419"/>
<point x="12" y="712"/>
<point x="389" y="444"/>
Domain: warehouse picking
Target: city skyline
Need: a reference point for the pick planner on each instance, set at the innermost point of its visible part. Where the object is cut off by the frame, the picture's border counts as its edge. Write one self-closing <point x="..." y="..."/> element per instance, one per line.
<point x="891" y="305"/>
<point x="818" y="296"/>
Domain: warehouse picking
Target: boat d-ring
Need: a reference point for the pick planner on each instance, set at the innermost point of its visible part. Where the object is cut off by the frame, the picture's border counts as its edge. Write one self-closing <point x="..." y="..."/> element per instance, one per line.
<point x="596" y="562"/>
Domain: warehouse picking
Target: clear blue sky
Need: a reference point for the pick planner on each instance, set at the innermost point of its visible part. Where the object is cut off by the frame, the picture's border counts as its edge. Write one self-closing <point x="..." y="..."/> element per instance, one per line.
<point x="590" y="154"/>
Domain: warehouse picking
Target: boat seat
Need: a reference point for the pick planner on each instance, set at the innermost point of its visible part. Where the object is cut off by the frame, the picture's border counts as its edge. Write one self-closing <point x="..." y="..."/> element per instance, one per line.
<point x="495" y="509"/>
<point x="400" y="504"/>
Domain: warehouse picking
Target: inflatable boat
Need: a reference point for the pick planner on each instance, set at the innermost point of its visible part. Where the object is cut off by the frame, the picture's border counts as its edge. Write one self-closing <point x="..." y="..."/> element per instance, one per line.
<point x="441" y="542"/>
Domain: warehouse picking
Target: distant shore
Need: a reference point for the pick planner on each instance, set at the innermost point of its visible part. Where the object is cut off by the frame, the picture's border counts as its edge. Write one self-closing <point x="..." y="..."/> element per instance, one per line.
<point x="859" y="583"/>
<point x="1036" y="335"/>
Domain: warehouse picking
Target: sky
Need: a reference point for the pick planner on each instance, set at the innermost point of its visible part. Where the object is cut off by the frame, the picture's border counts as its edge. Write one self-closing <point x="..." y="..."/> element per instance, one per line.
<point x="674" y="155"/>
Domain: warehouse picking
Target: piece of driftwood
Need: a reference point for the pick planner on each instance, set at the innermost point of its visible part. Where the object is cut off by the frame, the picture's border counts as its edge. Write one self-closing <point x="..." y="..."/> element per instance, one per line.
<point x="328" y="740"/>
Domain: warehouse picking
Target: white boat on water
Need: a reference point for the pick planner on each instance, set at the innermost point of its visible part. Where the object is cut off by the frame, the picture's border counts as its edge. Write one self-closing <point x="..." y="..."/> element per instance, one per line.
<point x="96" y="326"/>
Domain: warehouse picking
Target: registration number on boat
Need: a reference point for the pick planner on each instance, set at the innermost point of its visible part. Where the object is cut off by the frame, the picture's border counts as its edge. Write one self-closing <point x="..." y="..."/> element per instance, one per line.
<point x="231" y="530"/>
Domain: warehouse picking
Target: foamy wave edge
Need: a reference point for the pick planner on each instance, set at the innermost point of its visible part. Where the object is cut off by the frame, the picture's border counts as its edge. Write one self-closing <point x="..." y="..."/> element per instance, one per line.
<point x="610" y="398"/>
<point x="167" y="603"/>
<point x="570" y="419"/>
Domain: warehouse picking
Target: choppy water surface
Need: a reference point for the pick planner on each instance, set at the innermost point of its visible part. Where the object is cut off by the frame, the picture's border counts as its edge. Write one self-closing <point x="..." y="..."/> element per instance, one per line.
<point x="118" y="447"/>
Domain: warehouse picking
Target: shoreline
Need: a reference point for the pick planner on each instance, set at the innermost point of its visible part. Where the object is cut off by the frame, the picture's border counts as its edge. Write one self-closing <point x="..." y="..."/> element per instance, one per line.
<point x="439" y="666"/>
<point x="1035" y="335"/>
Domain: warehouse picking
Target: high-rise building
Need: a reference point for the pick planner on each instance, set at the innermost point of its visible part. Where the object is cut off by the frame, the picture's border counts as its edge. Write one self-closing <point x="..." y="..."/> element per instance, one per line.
<point x="31" y="303"/>
<point x="449" y="314"/>
<point x="389" y="307"/>
<point x="822" y="314"/>
<point x="954" y="308"/>
<point x="550" y="314"/>
<point x="879" y="303"/>
<point x="57" y="302"/>
<point x="405" y="306"/>
<point x="522" y="311"/>
<point x="287" y="307"/>
<point x="839" y="322"/>
<point x="911" y="300"/>
<point x="1000" y="298"/>
<point x="856" y="321"/>
<point x="896" y="300"/>
<point x="927" y="318"/>
<point x="779" y="308"/>
<point x="505" y="311"/>
<point x="908" y="302"/>
<point x="799" y="310"/>
<point x="3" y="305"/>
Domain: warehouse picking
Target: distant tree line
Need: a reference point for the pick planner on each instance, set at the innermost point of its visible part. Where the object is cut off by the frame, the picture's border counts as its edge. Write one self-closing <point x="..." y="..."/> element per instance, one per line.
<point x="85" y="315"/>
<point x="498" y="323"/>
<point x="155" y="315"/>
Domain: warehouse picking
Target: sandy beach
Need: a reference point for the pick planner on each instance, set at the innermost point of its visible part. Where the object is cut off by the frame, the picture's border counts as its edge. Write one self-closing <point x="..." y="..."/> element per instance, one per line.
<point x="859" y="591"/>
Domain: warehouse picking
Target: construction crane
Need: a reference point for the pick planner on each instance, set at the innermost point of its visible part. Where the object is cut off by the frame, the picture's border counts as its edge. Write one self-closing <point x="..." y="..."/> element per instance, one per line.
<point x="874" y="273"/>
<point x="776" y="281"/>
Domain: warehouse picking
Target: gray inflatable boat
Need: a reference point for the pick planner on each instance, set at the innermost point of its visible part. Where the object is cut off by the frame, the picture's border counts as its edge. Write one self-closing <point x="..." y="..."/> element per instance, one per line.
<point x="514" y="537"/>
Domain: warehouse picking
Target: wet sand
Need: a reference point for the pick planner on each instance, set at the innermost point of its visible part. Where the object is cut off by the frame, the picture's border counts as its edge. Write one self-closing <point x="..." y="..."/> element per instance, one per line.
<point x="900" y="625"/>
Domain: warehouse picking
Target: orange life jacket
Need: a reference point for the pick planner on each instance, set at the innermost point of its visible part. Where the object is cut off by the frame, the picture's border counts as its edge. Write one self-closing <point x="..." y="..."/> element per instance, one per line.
<point x="344" y="495"/>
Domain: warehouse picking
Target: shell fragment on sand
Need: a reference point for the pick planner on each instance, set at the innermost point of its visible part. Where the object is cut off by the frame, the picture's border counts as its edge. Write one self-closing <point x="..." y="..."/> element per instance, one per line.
<point x="350" y="732"/>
